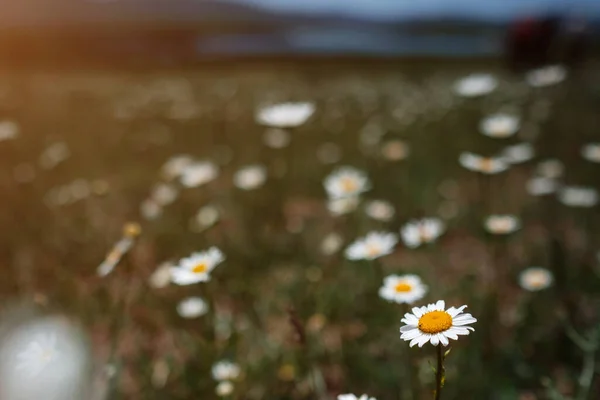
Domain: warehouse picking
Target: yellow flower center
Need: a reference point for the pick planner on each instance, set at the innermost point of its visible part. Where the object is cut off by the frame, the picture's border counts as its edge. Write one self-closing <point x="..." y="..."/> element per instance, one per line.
<point x="200" y="268"/>
<point x="435" y="322"/>
<point x="349" y="185"/>
<point x="403" y="288"/>
<point x="373" y="250"/>
<point x="486" y="164"/>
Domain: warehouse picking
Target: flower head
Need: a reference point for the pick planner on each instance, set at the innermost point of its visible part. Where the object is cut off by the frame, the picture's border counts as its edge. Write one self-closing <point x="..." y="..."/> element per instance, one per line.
<point x="591" y="152"/>
<point x="342" y="205"/>
<point x="224" y="389"/>
<point x="502" y="224"/>
<point x="226" y="371"/>
<point x="285" y="115"/>
<point x="197" y="267"/>
<point x="346" y="182"/>
<point x="578" y="196"/>
<point x="380" y="210"/>
<point x="426" y="230"/>
<point x="518" y="153"/>
<point x="402" y="289"/>
<point x="434" y="324"/>
<point x="540" y="186"/>
<point x="535" y="278"/>
<point x="485" y="165"/>
<point x="198" y="174"/>
<point x="192" y="307"/>
<point x="250" y="177"/>
<point x="372" y="246"/>
<point x="499" y="126"/>
<point x="546" y="76"/>
<point x="475" y="85"/>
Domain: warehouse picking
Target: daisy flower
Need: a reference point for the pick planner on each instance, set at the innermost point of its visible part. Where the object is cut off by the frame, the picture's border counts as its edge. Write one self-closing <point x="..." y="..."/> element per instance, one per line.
<point x="402" y="289"/>
<point x="198" y="174"/>
<point x="499" y="126"/>
<point x="250" y="177"/>
<point x="354" y="397"/>
<point x="546" y="76"/>
<point x="285" y="115"/>
<point x="485" y="165"/>
<point x="344" y="205"/>
<point x="502" y="224"/>
<point x="346" y="182"/>
<point x="192" y="307"/>
<point x="535" y="278"/>
<point x="197" y="267"/>
<point x="38" y="354"/>
<point x="475" y="85"/>
<point x="578" y="196"/>
<point x="518" y="153"/>
<point x="224" y="389"/>
<point x="226" y="371"/>
<point x="426" y="230"/>
<point x="331" y="243"/>
<point x="591" y="152"/>
<point x="434" y="324"/>
<point x="380" y="210"/>
<point x="372" y="246"/>
<point x="540" y="186"/>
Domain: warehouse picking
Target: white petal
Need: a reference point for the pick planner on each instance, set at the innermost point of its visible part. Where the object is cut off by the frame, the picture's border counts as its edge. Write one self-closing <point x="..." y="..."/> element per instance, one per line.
<point x="450" y="334"/>
<point x="435" y="340"/>
<point x="423" y="339"/>
<point x="464" y="322"/>
<point x="443" y="339"/>
<point x="440" y="305"/>
<point x="414" y="341"/>
<point x="411" y="334"/>
<point x="455" y="311"/>
<point x="418" y="312"/>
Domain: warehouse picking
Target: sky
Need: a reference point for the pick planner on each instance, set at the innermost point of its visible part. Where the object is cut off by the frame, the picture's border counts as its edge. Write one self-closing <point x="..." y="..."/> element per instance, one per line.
<point x="394" y="9"/>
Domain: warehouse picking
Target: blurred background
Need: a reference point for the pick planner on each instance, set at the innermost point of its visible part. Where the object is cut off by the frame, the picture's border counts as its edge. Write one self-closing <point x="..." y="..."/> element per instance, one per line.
<point x="134" y="133"/>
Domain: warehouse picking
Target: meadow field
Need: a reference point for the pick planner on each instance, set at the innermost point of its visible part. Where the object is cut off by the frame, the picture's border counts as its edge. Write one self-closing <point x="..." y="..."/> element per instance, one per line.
<point x="480" y="184"/>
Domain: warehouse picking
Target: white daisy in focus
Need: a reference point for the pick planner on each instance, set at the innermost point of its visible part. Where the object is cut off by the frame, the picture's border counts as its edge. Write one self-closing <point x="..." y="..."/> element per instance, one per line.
<point x="551" y="168"/>
<point x="591" y="152"/>
<point x="372" y="246"/>
<point x="546" y="76"/>
<point x="346" y="182"/>
<point x="285" y="115"/>
<point x="198" y="174"/>
<point x="380" y="210"/>
<point x="197" y="267"/>
<point x="224" y="389"/>
<point x="426" y="230"/>
<point x="475" y="85"/>
<point x="535" y="278"/>
<point x="8" y="130"/>
<point x="192" y="307"/>
<point x="502" y="224"/>
<point x="175" y="166"/>
<point x="485" y="165"/>
<point x="38" y="354"/>
<point x="342" y="205"/>
<point x="354" y="397"/>
<point x="518" y="153"/>
<point x="540" y="186"/>
<point x="500" y="126"/>
<point x="276" y="138"/>
<point x="250" y="177"/>
<point x="226" y="371"/>
<point x="578" y="196"/>
<point x="402" y="289"/>
<point x="434" y="324"/>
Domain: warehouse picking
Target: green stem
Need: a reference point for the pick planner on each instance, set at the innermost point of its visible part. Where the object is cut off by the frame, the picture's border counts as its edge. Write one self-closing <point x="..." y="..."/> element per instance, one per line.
<point x="587" y="375"/>
<point x="439" y="373"/>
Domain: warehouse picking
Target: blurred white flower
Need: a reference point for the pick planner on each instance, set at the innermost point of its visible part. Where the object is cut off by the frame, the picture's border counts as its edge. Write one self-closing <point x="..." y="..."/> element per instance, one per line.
<point x="206" y="217"/>
<point x="285" y="115"/>
<point x="224" y="389"/>
<point x="502" y="224"/>
<point x="380" y="210"/>
<point x="198" y="173"/>
<point x="276" y="138"/>
<point x="500" y="125"/>
<point x="591" y="152"/>
<point x="8" y="130"/>
<point x="394" y="150"/>
<point x="540" y="186"/>
<point x="402" y="289"/>
<point x="475" y="85"/>
<point x="354" y="397"/>
<point x="150" y="210"/>
<point x="250" y="177"/>
<point x="518" y="153"/>
<point x="578" y="196"/>
<point x="485" y="165"/>
<point x="192" y="307"/>
<point x="551" y="168"/>
<point x="535" y="278"/>
<point x="164" y="194"/>
<point x="346" y="182"/>
<point x="546" y="76"/>
<point x="175" y="166"/>
<point x="226" y="371"/>
<point x="54" y="155"/>
<point x="44" y="359"/>
<point x="331" y="243"/>
<point x="161" y="277"/>
<point x="342" y="205"/>
<point x="426" y="230"/>
<point x="372" y="246"/>
<point x="197" y="267"/>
